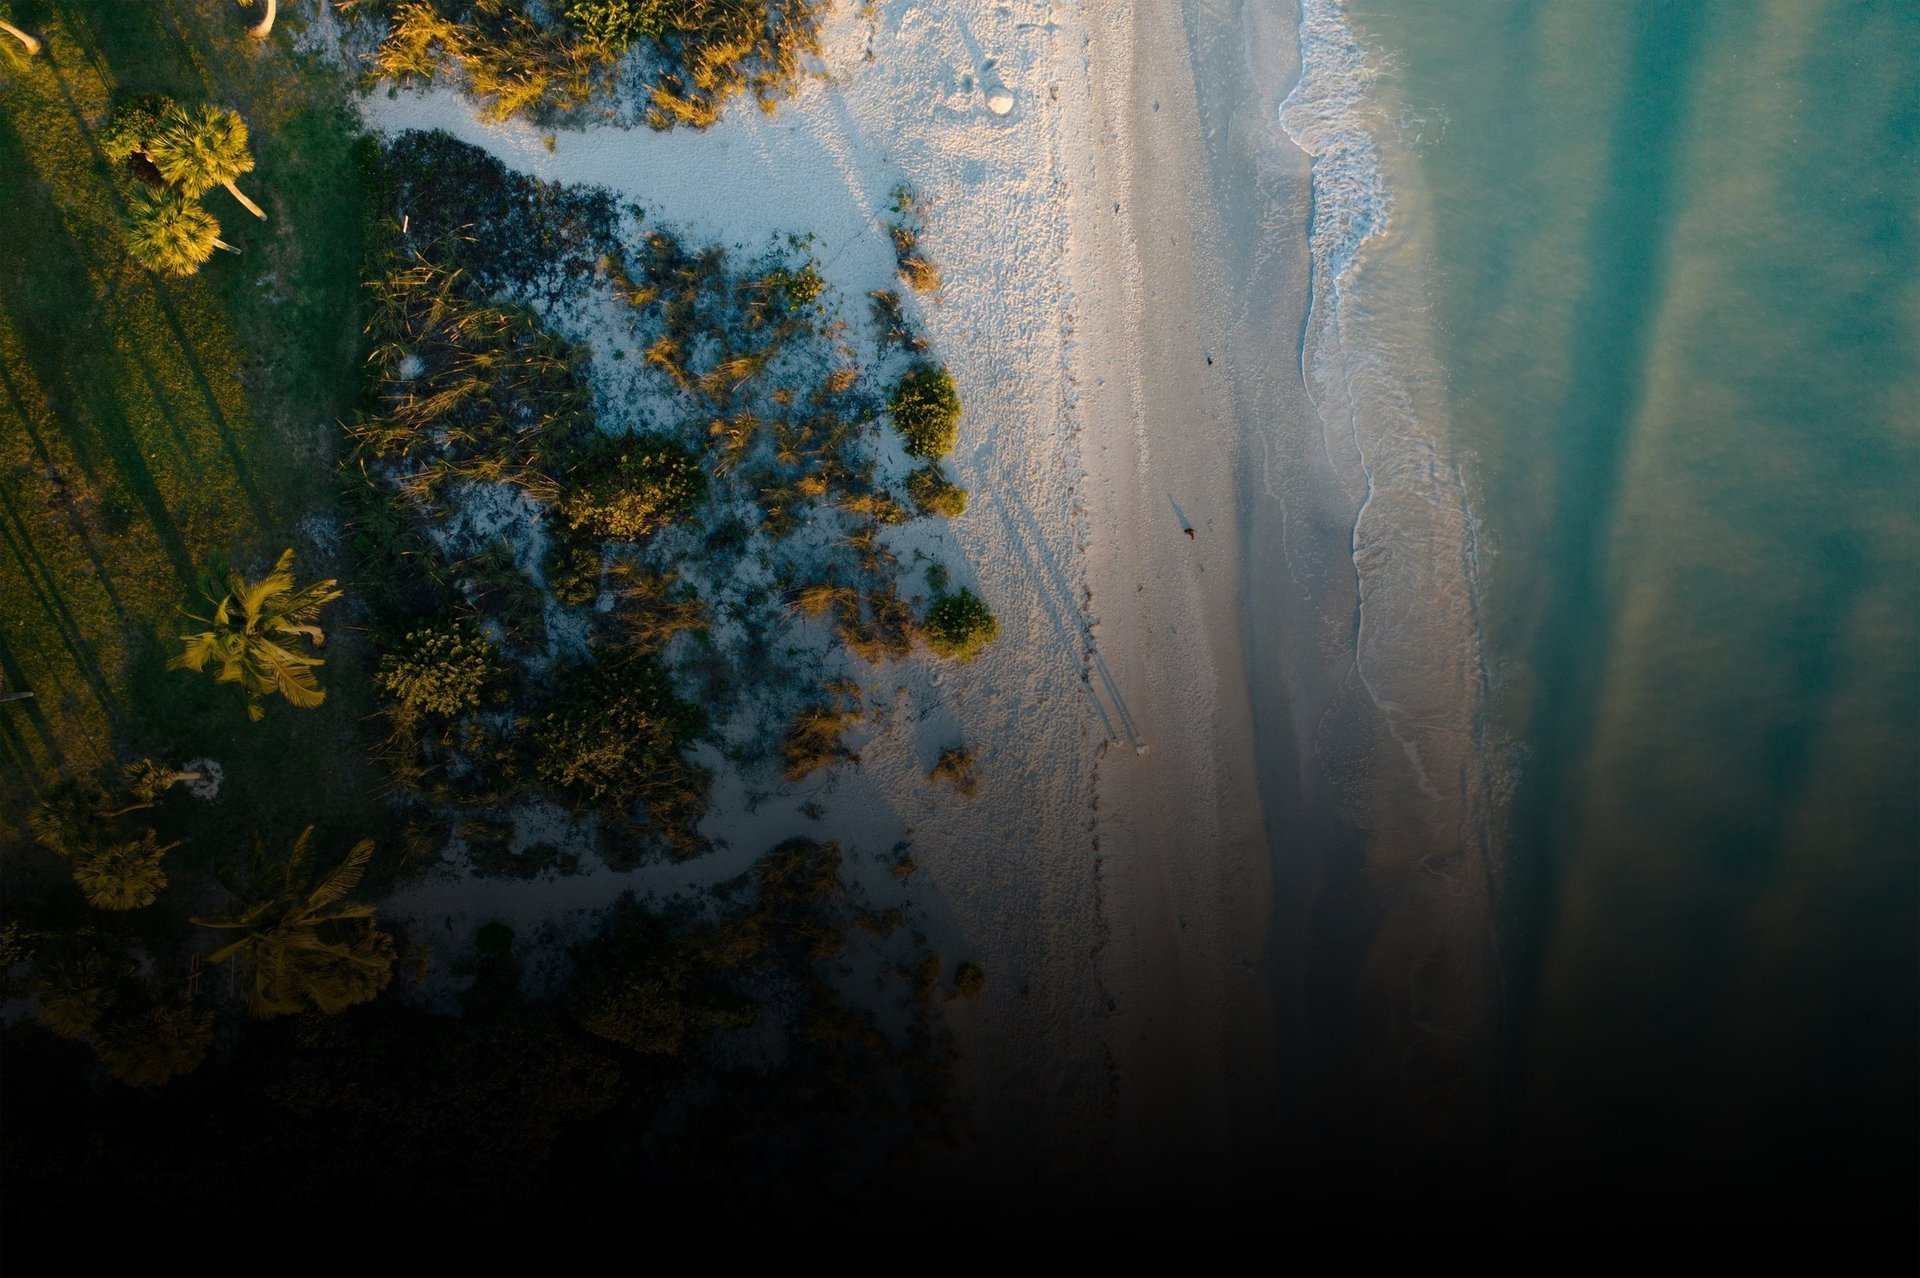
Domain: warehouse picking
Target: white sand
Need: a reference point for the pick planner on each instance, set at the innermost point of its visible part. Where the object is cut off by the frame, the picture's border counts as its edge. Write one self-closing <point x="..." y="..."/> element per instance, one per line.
<point x="1117" y="897"/>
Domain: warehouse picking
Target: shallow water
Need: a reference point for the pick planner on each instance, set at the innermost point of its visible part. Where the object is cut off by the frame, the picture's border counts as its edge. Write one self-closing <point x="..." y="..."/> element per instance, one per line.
<point x="1636" y="286"/>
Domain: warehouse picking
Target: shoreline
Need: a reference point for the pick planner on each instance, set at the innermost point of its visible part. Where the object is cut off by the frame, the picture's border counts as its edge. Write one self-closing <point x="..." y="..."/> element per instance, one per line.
<point x="1122" y="902"/>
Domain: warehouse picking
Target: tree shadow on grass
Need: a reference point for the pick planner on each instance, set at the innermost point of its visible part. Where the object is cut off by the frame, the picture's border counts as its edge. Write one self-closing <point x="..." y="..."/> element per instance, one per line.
<point x="242" y="474"/>
<point x="15" y="712"/>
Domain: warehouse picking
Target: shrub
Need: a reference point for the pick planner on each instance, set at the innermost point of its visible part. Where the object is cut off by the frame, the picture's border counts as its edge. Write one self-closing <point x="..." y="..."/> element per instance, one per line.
<point x="800" y="288"/>
<point x="613" y="738"/>
<point x="437" y="670"/>
<point x="968" y="981"/>
<point x="133" y="125"/>
<point x="643" y="487"/>
<point x="644" y="984"/>
<point x="959" y="625"/>
<point x="935" y="494"/>
<point x="956" y="765"/>
<point x="926" y="410"/>
<point x="881" y="629"/>
<point x="572" y="569"/>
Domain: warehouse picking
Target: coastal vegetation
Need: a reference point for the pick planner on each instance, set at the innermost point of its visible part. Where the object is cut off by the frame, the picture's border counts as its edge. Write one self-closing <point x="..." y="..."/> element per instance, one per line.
<point x="686" y="59"/>
<point x="926" y="410"/>
<point x="959" y="625"/>
<point x="252" y="625"/>
<point x="550" y="619"/>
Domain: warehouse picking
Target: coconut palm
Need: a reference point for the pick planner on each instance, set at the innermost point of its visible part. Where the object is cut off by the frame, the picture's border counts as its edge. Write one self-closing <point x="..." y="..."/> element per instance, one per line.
<point x="32" y="45"/>
<point x="199" y="148"/>
<point x="123" y="876"/>
<point x="149" y="779"/>
<point x="168" y="233"/>
<point x="251" y="621"/>
<point x="263" y="28"/>
<point x="305" y="949"/>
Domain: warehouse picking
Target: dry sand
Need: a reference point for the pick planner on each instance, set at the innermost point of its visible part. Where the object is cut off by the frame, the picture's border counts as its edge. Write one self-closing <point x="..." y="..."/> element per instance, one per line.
<point x="1123" y="258"/>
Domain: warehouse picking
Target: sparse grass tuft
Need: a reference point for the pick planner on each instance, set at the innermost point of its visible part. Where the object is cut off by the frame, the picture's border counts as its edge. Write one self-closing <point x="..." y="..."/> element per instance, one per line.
<point x="813" y="741"/>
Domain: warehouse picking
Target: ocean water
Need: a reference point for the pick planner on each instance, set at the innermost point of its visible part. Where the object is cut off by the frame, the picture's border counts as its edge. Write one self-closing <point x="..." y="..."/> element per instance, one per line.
<point x="1615" y="342"/>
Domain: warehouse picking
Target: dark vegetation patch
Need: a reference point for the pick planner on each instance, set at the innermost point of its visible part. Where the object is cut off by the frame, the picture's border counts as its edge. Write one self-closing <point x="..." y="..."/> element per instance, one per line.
<point x="708" y="1066"/>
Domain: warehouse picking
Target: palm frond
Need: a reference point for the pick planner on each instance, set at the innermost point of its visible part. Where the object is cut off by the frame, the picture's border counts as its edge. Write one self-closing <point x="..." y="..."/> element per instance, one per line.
<point x="344" y="879"/>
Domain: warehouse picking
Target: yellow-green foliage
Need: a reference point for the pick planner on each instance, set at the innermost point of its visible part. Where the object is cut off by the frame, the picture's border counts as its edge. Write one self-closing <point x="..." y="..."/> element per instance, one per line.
<point x="468" y="390"/>
<point x="304" y="945"/>
<point x="168" y="233"/>
<point x="926" y="410"/>
<point x="881" y="629"/>
<point x="501" y="54"/>
<point x="521" y="58"/>
<point x="617" y="24"/>
<point x="650" y="608"/>
<point x="252" y="623"/>
<point x="123" y="876"/>
<point x="959" y="626"/>
<point x="613" y="739"/>
<point x="437" y="670"/>
<point x="145" y="1039"/>
<point x="625" y="495"/>
<point x="935" y="494"/>
<point x="134" y="124"/>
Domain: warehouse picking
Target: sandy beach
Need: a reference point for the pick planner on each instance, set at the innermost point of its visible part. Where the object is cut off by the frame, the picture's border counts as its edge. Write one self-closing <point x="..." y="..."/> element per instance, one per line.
<point x="1113" y="349"/>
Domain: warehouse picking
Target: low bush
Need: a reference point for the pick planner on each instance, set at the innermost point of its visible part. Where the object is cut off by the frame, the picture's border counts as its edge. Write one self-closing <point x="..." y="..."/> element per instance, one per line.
<point x="441" y="670"/>
<point x="935" y="494"/>
<point x="633" y="490"/>
<point x="613" y="739"/>
<point x="926" y="410"/>
<point x="956" y="766"/>
<point x="960" y="625"/>
<point x="132" y="126"/>
<point x="572" y="569"/>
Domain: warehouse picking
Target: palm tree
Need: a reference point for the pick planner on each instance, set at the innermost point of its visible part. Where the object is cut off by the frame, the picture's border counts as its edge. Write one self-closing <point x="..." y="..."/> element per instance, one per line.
<point x="32" y="45"/>
<point x="202" y="147"/>
<point x="168" y="233"/>
<point x="123" y="876"/>
<point x="149" y="779"/>
<point x="263" y="28"/>
<point x="249" y="620"/>
<point x="304" y="949"/>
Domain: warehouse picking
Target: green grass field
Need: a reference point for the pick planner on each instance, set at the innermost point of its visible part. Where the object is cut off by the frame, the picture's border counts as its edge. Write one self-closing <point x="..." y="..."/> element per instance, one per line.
<point x="145" y="423"/>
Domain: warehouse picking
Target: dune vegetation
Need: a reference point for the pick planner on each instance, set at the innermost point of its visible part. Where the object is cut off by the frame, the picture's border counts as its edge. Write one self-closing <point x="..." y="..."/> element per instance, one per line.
<point x="331" y="558"/>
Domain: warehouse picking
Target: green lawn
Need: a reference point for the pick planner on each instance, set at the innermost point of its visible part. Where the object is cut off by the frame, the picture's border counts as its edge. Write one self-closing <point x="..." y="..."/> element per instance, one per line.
<point x="146" y="423"/>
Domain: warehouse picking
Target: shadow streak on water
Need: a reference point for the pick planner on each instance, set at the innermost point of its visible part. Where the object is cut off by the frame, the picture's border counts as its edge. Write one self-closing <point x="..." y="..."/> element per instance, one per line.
<point x="1609" y="361"/>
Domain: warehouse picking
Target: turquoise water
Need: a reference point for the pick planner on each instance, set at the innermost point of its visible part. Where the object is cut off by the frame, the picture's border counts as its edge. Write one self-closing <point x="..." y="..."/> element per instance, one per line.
<point x="1654" y="273"/>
